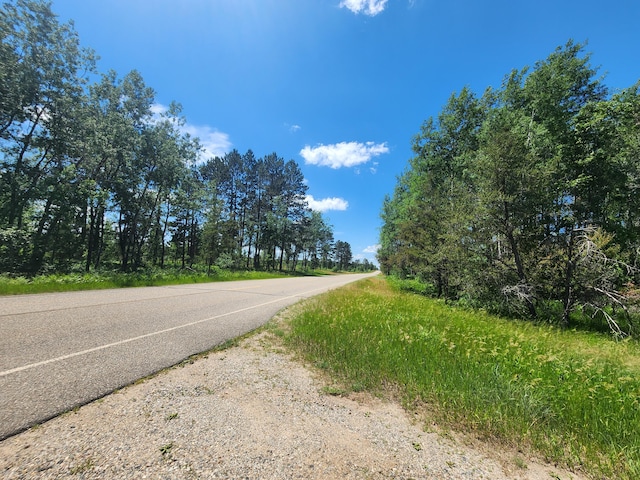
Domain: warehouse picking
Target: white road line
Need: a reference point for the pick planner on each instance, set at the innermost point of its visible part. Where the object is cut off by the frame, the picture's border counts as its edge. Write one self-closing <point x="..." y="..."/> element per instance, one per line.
<point x="146" y="335"/>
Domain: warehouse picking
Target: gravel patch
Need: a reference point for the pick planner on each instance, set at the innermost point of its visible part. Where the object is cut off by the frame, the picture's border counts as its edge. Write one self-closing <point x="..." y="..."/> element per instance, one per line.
<point x="248" y="412"/>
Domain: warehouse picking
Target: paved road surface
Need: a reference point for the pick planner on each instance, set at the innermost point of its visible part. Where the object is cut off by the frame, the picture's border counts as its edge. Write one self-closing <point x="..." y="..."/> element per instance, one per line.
<point x="58" y="351"/>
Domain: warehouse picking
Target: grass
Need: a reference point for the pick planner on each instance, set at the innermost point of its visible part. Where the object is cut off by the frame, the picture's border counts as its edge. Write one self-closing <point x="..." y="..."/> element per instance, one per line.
<point x="166" y="449"/>
<point x="571" y="397"/>
<point x="95" y="281"/>
<point x="82" y="467"/>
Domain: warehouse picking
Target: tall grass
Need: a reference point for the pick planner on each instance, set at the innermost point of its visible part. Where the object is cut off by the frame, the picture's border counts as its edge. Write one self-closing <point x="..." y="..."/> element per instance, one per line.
<point x="94" y="281"/>
<point x="572" y="397"/>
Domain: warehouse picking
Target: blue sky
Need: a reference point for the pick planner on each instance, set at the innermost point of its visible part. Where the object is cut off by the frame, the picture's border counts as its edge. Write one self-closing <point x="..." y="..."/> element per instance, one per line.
<point x="340" y="86"/>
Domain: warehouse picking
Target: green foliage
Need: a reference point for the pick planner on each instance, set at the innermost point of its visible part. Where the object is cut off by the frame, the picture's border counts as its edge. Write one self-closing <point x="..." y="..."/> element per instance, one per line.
<point x="99" y="175"/>
<point x="343" y="255"/>
<point x="413" y="285"/>
<point x="503" y="204"/>
<point x="15" y="248"/>
<point x="572" y="397"/>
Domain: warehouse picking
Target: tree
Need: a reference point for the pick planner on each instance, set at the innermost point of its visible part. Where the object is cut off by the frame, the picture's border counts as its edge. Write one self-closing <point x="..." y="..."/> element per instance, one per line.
<point x="317" y="240"/>
<point x="343" y="255"/>
<point x="511" y="180"/>
<point x="555" y="93"/>
<point x="94" y="175"/>
<point x="433" y="205"/>
<point x="263" y="208"/>
<point x="42" y="88"/>
<point x="501" y="200"/>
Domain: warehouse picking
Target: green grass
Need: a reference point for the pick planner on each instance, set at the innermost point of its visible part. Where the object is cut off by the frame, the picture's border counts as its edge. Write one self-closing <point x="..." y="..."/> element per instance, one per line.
<point x="572" y="397"/>
<point x="95" y="281"/>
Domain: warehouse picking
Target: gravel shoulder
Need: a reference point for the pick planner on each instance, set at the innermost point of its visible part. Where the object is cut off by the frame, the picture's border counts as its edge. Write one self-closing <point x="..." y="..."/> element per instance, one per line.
<point x="251" y="411"/>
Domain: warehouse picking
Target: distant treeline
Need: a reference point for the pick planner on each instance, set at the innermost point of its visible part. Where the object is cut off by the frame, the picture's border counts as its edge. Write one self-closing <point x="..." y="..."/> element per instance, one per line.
<point x="92" y="175"/>
<point x="526" y="200"/>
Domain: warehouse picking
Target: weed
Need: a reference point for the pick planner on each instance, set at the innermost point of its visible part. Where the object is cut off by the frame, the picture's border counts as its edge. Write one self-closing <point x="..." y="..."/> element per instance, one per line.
<point x="166" y="449"/>
<point x="520" y="462"/>
<point x="322" y="364"/>
<point x="82" y="467"/>
<point x="358" y="387"/>
<point x="334" y="391"/>
<point x="571" y="396"/>
<point x="278" y="332"/>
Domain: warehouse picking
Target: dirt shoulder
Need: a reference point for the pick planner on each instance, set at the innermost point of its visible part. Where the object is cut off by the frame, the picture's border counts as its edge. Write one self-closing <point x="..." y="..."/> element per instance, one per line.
<point x="251" y="412"/>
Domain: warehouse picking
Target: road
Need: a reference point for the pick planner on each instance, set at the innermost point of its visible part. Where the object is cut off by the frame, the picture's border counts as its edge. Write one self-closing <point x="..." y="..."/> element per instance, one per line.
<point x="59" y="351"/>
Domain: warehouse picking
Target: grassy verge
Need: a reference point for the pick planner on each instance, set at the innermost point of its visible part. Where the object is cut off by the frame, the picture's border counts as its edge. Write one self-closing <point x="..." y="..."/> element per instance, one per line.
<point x="95" y="281"/>
<point x="572" y="397"/>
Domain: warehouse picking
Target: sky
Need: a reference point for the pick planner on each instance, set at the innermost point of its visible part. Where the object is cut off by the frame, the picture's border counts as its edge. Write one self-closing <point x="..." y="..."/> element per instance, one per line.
<point x="340" y="86"/>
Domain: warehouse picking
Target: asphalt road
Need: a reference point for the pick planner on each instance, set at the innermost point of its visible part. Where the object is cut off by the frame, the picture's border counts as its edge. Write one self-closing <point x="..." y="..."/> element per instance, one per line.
<point x="59" y="351"/>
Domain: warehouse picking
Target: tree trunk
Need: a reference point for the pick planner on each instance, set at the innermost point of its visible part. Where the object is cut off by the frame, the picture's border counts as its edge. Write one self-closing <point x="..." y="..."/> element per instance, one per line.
<point x="567" y="300"/>
<point x="164" y="234"/>
<point x="517" y="259"/>
<point x="91" y="237"/>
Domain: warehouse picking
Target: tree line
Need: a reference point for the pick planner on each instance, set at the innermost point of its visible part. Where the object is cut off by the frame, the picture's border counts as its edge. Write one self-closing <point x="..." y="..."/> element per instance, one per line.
<point x="93" y="176"/>
<point x="526" y="199"/>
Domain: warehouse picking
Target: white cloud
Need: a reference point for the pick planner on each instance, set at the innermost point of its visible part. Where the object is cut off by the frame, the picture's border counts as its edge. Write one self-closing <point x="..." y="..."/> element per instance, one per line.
<point x="332" y="203"/>
<point x="214" y="143"/>
<point x="344" y="154"/>
<point x="158" y="109"/>
<point x="372" y="249"/>
<point x="293" y="128"/>
<point x="369" y="253"/>
<point x="368" y="7"/>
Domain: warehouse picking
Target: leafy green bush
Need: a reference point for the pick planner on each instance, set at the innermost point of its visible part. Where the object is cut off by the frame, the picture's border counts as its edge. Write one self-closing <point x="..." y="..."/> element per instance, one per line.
<point x="413" y="285"/>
